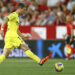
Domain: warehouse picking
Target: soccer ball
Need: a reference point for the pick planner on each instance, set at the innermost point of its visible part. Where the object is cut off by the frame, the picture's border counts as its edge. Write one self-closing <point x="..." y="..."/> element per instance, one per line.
<point x="59" y="67"/>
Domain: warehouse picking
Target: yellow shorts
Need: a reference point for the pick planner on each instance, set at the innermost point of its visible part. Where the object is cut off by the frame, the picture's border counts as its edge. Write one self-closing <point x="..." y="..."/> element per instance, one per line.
<point x="11" y="42"/>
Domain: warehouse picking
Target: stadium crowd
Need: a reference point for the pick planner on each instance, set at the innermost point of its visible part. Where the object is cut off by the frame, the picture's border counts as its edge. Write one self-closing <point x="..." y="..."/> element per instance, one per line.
<point x="39" y="12"/>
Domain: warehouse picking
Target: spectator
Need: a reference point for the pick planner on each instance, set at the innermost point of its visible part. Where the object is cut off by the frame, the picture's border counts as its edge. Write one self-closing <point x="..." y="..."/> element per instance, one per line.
<point x="10" y="7"/>
<point x="26" y="20"/>
<point x="1" y="5"/>
<point x="37" y="12"/>
<point x="33" y="5"/>
<point x="1" y="20"/>
<point x="34" y="17"/>
<point x="45" y="20"/>
<point x="4" y="9"/>
<point x="52" y="16"/>
<point x="60" y="14"/>
<point x="53" y="3"/>
<point x="42" y="19"/>
<point x="70" y="4"/>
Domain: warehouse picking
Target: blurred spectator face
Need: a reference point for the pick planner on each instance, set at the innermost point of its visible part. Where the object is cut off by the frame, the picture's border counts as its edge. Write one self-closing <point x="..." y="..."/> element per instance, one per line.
<point x="64" y="7"/>
<point x="73" y="10"/>
<point x="10" y="7"/>
<point x="52" y="16"/>
<point x="59" y="13"/>
<point x="58" y="9"/>
<point x="73" y="7"/>
<point x="33" y="5"/>
<point x="69" y="18"/>
<point x="33" y="2"/>
<point x="1" y="20"/>
<point x="29" y="11"/>
<point x="29" y="16"/>
<point x="36" y="12"/>
<point x="54" y="11"/>
<point x="46" y="14"/>
<point x="4" y="10"/>
<point x="1" y="4"/>
<point x="49" y="10"/>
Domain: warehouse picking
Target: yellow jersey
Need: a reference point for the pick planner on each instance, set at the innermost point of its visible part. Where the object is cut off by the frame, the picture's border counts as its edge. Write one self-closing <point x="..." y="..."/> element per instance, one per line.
<point x="13" y="24"/>
<point x="12" y="39"/>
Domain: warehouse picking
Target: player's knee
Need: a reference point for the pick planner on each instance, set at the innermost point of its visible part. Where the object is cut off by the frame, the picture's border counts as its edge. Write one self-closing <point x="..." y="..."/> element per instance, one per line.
<point x="6" y="52"/>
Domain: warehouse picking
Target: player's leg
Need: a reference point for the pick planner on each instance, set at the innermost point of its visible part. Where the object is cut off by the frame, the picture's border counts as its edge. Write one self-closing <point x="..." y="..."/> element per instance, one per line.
<point x="72" y="46"/>
<point x="7" y="49"/>
<point x="4" y="55"/>
<point x="18" y="42"/>
<point x="50" y="54"/>
<point x="69" y="48"/>
<point x="30" y="54"/>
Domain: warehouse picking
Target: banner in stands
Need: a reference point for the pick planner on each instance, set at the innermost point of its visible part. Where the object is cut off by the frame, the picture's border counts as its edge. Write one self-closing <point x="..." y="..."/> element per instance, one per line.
<point x="43" y="32"/>
<point x="38" y="32"/>
<point x="41" y="48"/>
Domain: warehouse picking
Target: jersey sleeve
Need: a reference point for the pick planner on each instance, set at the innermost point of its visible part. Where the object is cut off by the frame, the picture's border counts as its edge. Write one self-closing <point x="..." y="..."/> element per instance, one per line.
<point x="11" y="16"/>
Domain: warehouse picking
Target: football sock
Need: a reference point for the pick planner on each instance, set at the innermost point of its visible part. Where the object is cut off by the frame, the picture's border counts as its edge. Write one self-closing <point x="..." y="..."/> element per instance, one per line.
<point x="50" y="55"/>
<point x="2" y="58"/>
<point x="33" y="56"/>
<point x="68" y="49"/>
<point x="68" y="56"/>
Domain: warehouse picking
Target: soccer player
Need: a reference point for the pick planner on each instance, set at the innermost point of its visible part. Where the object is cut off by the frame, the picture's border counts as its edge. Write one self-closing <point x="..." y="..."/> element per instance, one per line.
<point x="13" y="37"/>
<point x="70" y="36"/>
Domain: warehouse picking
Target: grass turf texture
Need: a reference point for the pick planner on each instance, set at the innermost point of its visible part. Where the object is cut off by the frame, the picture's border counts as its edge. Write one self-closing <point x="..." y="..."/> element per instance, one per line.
<point x="25" y="66"/>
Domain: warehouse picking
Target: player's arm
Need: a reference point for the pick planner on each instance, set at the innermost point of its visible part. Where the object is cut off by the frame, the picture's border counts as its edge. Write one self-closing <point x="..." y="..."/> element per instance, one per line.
<point x="22" y="36"/>
<point x="64" y="35"/>
<point x="8" y="18"/>
<point x="72" y="34"/>
<point x="3" y="25"/>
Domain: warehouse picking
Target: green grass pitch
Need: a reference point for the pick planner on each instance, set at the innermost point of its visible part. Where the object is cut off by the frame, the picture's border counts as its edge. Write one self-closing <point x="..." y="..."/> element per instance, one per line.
<point x="25" y="66"/>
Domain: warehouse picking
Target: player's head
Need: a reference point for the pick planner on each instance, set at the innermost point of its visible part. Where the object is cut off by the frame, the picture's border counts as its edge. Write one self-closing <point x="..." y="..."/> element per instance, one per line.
<point x="22" y="7"/>
<point x="69" y="18"/>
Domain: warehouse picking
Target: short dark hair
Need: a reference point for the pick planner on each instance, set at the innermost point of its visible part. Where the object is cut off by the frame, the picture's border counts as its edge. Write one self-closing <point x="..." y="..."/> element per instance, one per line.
<point x="21" y="5"/>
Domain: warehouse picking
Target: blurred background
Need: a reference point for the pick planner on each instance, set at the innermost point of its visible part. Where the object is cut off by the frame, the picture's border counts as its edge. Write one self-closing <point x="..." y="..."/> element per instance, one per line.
<point x="45" y="20"/>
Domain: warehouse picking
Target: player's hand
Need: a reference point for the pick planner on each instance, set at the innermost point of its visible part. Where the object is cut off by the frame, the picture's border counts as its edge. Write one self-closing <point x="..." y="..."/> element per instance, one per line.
<point x="2" y="32"/>
<point x="70" y="39"/>
<point x="64" y="36"/>
<point x="28" y="36"/>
